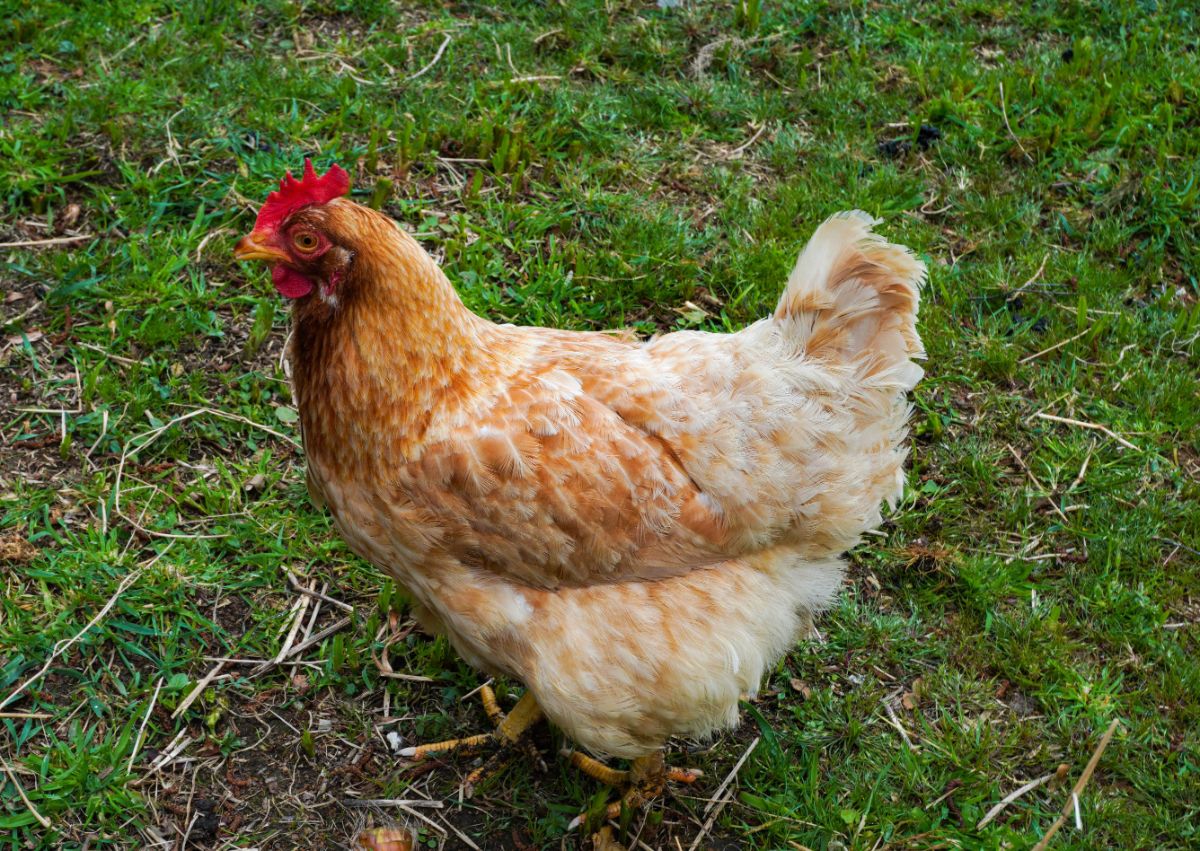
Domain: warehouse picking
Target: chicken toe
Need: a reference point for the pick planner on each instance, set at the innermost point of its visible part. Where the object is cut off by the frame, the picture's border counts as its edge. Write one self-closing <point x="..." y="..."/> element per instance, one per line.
<point x="644" y="781"/>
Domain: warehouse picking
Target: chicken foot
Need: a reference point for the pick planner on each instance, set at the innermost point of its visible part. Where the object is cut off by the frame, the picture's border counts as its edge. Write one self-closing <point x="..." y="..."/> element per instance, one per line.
<point x="644" y="781"/>
<point x="510" y="735"/>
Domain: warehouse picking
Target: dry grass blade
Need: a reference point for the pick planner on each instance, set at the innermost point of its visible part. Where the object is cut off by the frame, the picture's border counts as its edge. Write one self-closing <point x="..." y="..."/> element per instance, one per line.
<point x="204" y="683"/>
<point x="1010" y="797"/>
<point x="1012" y="135"/>
<point x="148" y="437"/>
<point x="301" y="647"/>
<point x="1057" y="345"/>
<point x="62" y="646"/>
<point x="1032" y="279"/>
<point x="177" y="746"/>
<point x="42" y="820"/>
<point x="1073" y="802"/>
<point x="137" y="742"/>
<point x="438" y="827"/>
<point x="895" y="722"/>
<point x="729" y="778"/>
<point x="296" y="586"/>
<point x="297" y="618"/>
<point x="722" y="796"/>
<point x="37" y="243"/>
<point x="740" y="149"/>
<point x="436" y="58"/>
<point x="1092" y="426"/>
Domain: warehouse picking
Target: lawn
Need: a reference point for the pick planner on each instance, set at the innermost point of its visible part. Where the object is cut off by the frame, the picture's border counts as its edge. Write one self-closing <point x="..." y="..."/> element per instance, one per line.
<point x="592" y="165"/>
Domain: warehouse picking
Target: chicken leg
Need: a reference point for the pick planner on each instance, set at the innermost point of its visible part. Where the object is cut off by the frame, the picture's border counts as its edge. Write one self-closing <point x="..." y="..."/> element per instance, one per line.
<point x="510" y="733"/>
<point x="644" y="781"/>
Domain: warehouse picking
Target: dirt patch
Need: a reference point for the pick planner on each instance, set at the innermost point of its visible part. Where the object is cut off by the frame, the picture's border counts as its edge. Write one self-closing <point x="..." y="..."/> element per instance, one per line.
<point x="15" y="549"/>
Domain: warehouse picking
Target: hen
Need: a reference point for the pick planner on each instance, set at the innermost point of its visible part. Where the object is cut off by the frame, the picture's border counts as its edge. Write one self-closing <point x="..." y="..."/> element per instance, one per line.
<point x="635" y="530"/>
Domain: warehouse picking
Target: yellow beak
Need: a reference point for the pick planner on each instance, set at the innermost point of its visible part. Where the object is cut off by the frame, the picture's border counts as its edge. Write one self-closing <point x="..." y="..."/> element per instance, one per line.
<point x="252" y="247"/>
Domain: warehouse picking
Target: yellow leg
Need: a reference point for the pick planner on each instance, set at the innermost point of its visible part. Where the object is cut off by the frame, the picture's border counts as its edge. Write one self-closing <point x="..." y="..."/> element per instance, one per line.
<point x="523" y="716"/>
<point x="488" y="698"/>
<point x="597" y="770"/>
<point x="509" y="736"/>
<point x="644" y="781"/>
<point x="450" y="746"/>
<point x="509" y="728"/>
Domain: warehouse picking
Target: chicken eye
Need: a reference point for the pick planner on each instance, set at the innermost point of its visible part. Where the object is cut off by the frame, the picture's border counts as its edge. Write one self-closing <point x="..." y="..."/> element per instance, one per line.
<point x="305" y="241"/>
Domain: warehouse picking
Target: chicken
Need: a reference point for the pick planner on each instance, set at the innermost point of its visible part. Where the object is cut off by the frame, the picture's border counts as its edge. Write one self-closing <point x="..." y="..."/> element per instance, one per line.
<point x="636" y="530"/>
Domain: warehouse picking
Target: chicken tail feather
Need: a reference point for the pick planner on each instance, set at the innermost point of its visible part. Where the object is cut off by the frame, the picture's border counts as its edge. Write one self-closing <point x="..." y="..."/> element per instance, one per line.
<point x="852" y="298"/>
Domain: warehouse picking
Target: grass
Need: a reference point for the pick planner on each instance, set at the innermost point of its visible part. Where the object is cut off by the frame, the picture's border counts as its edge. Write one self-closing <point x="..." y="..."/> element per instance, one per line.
<point x="591" y="165"/>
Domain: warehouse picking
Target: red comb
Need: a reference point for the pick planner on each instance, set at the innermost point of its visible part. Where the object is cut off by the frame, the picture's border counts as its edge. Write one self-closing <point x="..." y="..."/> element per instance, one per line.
<point x="294" y="194"/>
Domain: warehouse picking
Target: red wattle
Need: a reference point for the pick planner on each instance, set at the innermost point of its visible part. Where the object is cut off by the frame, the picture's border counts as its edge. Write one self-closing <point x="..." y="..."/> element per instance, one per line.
<point x="289" y="282"/>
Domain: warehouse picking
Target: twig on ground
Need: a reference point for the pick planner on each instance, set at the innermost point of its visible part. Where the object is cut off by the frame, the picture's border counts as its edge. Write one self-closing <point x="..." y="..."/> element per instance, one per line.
<point x="1004" y="112"/>
<point x="297" y="618"/>
<point x="1045" y="490"/>
<point x="733" y="772"/>
<point x="737" y="152"/>
<point x="300" y="648"/>
<point x="137" y="742"/>
<point x="296" y="586"/>
<point x="42" y="820"/>
<point x="205" y="681"/>
<point x="392" y="802"/>
<point x="895" y="722"/>
<point x="1010" y="797"/>
<point x="721" y="797"/>
<point x="1092" y="426"/>
<point x="1073" y="801"/>
<point x="1057" y="345"/>
<point x="58" y="240"/>
<point x="1175" y="543"/>
<point x="62" y="646"/>
<point x="436" y="58"/>
<point x="1031" y="280"/>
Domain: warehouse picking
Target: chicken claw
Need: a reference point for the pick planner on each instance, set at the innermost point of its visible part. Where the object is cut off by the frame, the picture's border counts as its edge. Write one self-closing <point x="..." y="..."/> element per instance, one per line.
<point x="510" y="733"/>
<point x="643" y="782"/>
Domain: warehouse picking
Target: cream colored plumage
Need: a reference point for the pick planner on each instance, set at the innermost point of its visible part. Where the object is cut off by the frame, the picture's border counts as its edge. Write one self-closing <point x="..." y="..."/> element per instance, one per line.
<point x="635" y="530"/>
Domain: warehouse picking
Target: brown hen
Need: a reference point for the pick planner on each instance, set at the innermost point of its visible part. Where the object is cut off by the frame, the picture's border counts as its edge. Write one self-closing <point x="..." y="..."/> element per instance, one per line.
<point x="634" y="529"/>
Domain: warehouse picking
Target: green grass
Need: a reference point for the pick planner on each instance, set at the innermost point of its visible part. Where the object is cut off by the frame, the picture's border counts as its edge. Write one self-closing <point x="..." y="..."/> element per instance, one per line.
<point x="661" y="172"/>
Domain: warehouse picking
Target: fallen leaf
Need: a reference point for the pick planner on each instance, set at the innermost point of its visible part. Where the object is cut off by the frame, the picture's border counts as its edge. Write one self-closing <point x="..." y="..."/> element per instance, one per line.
<point x="911" y="699"/>
<point x="18" y="339"/>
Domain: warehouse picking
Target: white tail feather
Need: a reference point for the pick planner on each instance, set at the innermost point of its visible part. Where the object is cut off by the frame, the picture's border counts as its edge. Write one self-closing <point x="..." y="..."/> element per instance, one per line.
<point x="852" y="297"/>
